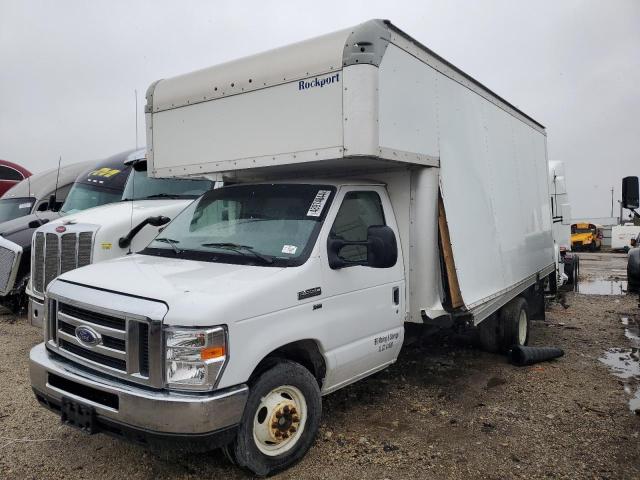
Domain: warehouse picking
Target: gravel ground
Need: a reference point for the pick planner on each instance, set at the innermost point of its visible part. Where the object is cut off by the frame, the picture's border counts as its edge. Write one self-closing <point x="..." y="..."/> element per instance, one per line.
<point x="444" y="410"/>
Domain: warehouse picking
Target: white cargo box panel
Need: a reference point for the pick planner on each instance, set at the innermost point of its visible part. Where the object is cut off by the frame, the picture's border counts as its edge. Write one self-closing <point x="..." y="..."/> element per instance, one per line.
<point x="365" y="98"/>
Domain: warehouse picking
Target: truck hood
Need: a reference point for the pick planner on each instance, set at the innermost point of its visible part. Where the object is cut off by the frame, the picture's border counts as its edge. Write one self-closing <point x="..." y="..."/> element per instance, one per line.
<point x="19" y="230"/>
<point x="211" y="293"/>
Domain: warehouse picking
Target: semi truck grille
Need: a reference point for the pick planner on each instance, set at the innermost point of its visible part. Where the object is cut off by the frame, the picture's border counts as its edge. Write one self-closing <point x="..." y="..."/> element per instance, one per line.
<point x="122" y="344"/>
<point x="58" y="253"/>
<point x="7" y="262"/>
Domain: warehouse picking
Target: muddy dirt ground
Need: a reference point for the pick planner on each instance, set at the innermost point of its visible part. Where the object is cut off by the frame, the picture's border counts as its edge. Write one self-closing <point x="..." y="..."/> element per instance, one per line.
<point x="444" y="410"/>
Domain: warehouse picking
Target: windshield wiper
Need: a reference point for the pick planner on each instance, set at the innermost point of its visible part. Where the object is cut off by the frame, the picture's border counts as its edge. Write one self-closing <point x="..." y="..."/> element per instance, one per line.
<point x="241" y="249"/>
<point x="171" y="242"/>
<point x="161" y="195"/>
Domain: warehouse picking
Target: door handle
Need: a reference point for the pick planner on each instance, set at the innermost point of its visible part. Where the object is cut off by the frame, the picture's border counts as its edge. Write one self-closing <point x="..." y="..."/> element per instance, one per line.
<point x="396" y="295"/>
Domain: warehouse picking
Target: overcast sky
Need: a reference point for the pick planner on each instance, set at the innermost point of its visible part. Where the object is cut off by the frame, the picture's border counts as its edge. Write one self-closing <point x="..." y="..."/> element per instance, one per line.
<point x="68" y="69"/>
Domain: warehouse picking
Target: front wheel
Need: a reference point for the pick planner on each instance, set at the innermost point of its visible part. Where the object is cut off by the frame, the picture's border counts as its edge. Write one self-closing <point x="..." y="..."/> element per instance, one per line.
<point x="280" y="420"/>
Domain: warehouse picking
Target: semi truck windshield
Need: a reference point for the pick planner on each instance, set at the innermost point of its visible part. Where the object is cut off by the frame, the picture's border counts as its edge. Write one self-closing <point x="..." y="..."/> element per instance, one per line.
<point x="96" y="187"/>
<point x="248" y="224"/>
<point x="140" y="186"/>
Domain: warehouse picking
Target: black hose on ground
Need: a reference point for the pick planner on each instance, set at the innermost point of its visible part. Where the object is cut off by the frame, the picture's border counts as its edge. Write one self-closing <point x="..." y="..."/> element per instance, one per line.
<point x="521" y="356"/>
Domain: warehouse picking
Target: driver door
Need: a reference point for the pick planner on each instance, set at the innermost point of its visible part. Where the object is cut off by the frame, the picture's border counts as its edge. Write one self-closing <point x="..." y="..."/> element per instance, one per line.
<point x="365" y="305"/>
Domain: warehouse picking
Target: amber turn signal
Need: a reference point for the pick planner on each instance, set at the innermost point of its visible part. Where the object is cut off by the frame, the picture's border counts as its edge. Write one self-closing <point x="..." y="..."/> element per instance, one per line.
<point x="212" y="352"/>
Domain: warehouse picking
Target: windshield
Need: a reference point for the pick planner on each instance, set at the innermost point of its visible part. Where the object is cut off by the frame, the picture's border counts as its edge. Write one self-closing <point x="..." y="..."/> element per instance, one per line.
<point x="11" y="208"/>
<point x="83" y="196"/>
<point x="272" y="225"/>
<point x="140" y="186"/>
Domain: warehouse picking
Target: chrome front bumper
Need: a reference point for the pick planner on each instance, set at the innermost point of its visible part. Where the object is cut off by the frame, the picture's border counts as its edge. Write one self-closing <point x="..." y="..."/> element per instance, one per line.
<point x="159" y="412"/>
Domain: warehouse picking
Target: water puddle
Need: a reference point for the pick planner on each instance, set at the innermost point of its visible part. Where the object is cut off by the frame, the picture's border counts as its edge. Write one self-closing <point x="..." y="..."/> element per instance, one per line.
<point x="625" y="363"/>
<point x="601" y="287"/>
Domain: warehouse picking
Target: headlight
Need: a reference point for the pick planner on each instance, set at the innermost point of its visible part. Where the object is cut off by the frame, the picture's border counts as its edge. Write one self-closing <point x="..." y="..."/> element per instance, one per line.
<point x="194" y="357"/>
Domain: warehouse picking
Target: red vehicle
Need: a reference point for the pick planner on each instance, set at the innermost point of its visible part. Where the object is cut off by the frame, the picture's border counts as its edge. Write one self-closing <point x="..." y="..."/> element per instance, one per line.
<point x="10" y="174"/>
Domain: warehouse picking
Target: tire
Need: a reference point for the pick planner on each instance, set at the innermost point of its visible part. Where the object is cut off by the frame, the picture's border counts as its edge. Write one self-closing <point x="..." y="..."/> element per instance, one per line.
<point x="488" y="334"/>
<point x="592" y="246"/>
<point x="279" y="396"/>
<point x="633" y="269"/>
<point x="514" y="324"/>
<point x="568" y="270"/>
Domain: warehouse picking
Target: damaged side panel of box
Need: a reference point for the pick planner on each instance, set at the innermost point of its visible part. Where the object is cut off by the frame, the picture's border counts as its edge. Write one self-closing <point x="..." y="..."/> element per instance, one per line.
<point x="453" y="286"/>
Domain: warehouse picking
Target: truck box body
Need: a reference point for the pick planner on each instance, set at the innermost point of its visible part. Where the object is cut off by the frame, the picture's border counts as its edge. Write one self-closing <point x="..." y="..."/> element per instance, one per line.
<point x="621" y="236"/>
<point x="365" y="101"/>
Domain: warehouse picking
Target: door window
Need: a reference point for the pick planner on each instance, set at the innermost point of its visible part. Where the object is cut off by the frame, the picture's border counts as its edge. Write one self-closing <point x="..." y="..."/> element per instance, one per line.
<point x="359" y="211"/>
<point x="8" y="173"/>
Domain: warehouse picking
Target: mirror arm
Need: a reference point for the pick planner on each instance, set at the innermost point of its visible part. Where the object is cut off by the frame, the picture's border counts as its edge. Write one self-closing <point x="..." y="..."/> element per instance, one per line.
<point x="124" y="242"/>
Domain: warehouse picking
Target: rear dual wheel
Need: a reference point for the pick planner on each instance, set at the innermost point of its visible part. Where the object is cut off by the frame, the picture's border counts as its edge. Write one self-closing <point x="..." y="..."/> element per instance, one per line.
<point x="508" y="327"/>
<point x="280" y="420"/>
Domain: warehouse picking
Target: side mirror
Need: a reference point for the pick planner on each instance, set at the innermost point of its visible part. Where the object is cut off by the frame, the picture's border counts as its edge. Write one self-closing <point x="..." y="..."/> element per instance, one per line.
<point x="382" y="249"/>
<point x="630" y="193"/>
<point x="51" y="205"/>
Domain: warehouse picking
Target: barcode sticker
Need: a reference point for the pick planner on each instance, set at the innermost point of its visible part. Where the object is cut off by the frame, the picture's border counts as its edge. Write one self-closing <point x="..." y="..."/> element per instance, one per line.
<point x="290" y="249"/>
<point x="315" y="210"/>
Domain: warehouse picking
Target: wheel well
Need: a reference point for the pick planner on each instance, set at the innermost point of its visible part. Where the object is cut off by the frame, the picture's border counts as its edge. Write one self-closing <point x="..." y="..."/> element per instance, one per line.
<point x="304" y="352"/>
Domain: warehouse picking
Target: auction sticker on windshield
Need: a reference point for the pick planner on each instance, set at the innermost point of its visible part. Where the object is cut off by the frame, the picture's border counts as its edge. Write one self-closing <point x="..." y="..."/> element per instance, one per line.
<point x="315" y="210"/>
<point x="290" y="249"/>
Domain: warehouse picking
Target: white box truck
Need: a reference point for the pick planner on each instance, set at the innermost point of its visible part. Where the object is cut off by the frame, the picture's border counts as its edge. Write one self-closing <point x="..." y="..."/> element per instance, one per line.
<point x="621" y="236"/>
<point x="567" y="261"/>
<point x="374" y="184"/>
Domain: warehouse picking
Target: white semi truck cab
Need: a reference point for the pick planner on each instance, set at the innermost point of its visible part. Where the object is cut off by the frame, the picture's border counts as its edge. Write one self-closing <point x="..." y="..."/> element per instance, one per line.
<point x="372" y="183"/>
<point x="91" y="235"/>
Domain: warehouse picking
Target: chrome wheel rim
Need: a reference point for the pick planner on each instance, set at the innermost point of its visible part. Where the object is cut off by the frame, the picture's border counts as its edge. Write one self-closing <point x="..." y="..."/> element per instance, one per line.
<point x="279" y="420"/>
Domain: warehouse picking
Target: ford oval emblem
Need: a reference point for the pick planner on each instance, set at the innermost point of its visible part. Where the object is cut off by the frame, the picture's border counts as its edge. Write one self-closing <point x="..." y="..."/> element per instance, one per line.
<point x="61" y="229"/>
<point x="88" y="336"/>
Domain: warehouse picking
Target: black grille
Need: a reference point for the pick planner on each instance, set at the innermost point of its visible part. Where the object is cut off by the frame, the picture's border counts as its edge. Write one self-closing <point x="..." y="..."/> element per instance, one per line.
<point x="107" y="341"/>
<point x="93" y="394"/>
<point x="144" y="349"/>
<point x="115" y="343"/>
<point x="94" y="356"/>
<point x="93" y="317"/>
<point x="66" y="328"/>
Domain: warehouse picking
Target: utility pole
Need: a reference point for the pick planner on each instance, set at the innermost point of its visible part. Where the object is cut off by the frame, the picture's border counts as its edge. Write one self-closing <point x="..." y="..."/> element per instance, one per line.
<point x="135" y="93"/>
<point x="611" y="201"/>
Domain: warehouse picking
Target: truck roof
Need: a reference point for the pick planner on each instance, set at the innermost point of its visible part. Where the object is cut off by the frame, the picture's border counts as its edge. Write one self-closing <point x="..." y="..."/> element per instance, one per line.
<point x="41" y="184"/>
<point x="364" y="43"/>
